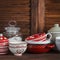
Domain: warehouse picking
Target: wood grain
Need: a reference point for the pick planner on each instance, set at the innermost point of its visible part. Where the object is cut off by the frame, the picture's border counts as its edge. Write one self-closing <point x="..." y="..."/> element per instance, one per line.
<point x="52" y="13"/>
<point x="18" y="10"/>
<point x="44" y="56"/>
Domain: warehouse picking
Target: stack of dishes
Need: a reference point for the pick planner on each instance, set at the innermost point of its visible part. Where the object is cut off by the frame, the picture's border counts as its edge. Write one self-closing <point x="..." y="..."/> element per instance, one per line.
<point x="39" y="43"/>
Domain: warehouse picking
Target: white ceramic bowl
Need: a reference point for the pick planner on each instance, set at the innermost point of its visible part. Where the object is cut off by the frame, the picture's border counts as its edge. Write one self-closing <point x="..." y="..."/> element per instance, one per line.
<point x="18" y="48"/>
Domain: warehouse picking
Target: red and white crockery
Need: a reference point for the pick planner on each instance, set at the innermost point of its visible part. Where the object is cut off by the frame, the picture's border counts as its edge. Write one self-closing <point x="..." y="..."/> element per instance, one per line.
<point x="39" y="43"/>
<point x="39" y="38"/>
<point x="18" y="48"/>
<point x="3" y="44"/>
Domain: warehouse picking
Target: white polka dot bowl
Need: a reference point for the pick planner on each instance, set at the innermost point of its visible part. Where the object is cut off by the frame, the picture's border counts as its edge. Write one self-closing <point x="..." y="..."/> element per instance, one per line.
<point x="18" y="48"/>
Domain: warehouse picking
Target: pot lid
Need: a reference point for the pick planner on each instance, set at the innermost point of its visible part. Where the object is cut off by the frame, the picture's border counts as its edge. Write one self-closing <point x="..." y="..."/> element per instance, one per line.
<point x="3" y="38"/>
<point x="56" y="28"/>
<point x="12" y="26"/>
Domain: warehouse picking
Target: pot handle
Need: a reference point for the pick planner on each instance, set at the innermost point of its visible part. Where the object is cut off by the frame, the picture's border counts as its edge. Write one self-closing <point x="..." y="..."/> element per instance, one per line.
<point x="50" y="36"/>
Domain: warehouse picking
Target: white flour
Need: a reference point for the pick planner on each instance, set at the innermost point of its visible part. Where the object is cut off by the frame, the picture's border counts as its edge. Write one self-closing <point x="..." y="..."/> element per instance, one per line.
<point x="15" y="39"/>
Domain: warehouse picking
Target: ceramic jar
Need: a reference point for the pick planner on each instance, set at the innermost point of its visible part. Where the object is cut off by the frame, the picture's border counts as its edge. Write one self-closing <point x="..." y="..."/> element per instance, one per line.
<point x="3" y="44"/>
<point x="11" y="29"/>
<point x="55" y="31"/>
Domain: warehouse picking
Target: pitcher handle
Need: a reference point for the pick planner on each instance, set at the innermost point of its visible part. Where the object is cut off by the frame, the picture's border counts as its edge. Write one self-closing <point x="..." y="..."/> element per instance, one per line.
<point x="50" y="36"/>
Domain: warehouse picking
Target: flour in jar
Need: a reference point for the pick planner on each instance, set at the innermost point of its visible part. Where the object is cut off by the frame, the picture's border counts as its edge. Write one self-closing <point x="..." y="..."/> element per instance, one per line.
<point x="15" y="39"/>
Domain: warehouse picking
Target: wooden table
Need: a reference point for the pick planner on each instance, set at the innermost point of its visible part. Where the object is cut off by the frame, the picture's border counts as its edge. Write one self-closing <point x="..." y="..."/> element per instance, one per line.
<point x="27" y="56"/>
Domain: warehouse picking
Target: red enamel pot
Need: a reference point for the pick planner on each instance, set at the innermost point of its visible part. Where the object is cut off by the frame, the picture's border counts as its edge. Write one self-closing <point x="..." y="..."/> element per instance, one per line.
<point x="39" y="48"/>
<point x="39" y="43"/>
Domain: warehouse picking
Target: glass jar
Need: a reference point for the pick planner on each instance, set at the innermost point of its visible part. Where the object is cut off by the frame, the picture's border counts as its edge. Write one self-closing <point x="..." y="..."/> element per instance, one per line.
<point x="11" y="30"/>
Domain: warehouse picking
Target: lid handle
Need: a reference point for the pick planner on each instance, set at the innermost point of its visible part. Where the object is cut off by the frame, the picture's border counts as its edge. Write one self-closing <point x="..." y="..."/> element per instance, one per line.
<point x="56" y="25"/>
<point x="12" y="23"/>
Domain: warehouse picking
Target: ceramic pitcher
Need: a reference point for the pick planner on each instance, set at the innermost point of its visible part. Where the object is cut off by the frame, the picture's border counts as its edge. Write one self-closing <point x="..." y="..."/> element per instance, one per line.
<point x="55" y="31"/>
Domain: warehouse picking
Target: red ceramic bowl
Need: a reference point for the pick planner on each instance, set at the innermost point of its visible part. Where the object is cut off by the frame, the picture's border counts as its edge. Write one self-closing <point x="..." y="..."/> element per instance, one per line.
<point x="39" y="48"/>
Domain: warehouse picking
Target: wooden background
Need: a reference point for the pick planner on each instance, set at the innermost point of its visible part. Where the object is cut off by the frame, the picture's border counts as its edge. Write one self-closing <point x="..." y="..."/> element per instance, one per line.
<point x="52" y="13"/>
<point x="20" y="10"/>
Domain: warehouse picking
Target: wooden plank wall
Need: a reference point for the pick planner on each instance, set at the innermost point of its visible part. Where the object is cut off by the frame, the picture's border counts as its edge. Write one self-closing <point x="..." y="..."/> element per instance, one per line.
<point x="52" y="13"/>
<point x="18" y="10"/>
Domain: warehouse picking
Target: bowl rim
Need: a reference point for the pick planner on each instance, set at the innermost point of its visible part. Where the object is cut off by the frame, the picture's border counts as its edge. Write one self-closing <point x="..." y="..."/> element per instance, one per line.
<point x="39" y="42"/>
<point x="21" y="42"/>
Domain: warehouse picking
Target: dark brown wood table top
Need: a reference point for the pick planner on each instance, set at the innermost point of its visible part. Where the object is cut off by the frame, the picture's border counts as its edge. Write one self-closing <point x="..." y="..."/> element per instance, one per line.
<point x="28" y="56"/>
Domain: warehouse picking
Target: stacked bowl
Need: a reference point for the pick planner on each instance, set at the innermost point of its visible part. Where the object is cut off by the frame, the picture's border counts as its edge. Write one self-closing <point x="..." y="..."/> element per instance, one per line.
<point x="39" y="43"/>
